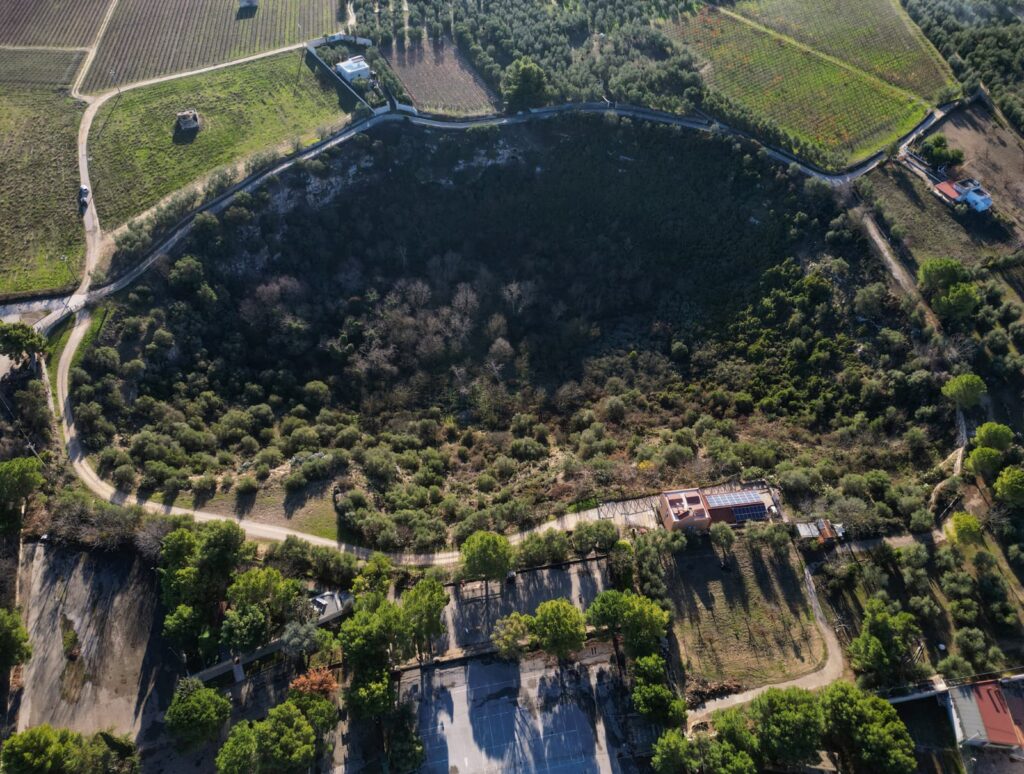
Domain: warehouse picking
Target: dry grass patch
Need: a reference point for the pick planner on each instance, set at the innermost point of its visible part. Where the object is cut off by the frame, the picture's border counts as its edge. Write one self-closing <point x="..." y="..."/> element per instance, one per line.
<point x="750" y="622"/>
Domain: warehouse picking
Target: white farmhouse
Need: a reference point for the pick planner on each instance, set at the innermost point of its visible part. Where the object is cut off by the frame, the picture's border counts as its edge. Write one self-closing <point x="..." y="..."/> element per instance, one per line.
<point x="353" y="69"/>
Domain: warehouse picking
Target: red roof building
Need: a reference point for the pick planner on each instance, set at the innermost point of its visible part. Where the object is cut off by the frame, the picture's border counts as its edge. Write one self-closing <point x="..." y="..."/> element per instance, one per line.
<point x="989" y="714"/>
<point x="948" y="190"/>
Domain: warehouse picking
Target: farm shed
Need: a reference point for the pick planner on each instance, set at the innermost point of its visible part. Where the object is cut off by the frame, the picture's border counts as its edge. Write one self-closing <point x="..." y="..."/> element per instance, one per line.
<point x="699" y="508"/>
<point x="821" y="531"/>
<point x="187" y="121"/>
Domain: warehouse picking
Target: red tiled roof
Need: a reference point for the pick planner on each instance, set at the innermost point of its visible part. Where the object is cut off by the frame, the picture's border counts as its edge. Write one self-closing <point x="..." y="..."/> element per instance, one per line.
<point x="995" y="714"/>
<point x="946" y="189"/>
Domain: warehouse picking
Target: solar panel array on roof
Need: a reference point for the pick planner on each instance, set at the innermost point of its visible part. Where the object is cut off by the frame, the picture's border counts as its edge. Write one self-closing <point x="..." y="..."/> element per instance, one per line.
<point x="723" y="499"/>
<point x="747" y="512"/>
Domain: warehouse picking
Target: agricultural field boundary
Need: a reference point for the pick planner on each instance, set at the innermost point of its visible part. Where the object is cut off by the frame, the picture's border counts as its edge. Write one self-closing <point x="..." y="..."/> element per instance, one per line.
<point x="91" y="55"/>
<point x="6" y="47"/>
<point x="882" y="84"/>
<point x="900" y="12"/>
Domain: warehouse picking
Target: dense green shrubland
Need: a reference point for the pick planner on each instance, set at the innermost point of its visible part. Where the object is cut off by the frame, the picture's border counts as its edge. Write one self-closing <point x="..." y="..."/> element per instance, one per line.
<point x="612" y="311"/>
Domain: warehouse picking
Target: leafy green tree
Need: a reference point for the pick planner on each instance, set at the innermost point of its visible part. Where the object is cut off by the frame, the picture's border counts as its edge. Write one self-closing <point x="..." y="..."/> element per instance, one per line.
<point x="375" y="577"/>
<point x="591" y="536"/>
<point x="511" y="635"/>
<point x="733" y="726"/>
<point x="287" y="742"/>
<point x="607" y="612"/>
<point x="19" y="478"/>
<point x="422" y="606"/>
<point x="14" y="644"/>
<point x="319" y="711"/>
<point x="789" y="726"/>
<point x="965" y="390"/>
<point x="300" y="640"/>
<point x="879" y="653"/>
<point x="673" y="754"/>
<point x="993" y="435"/>
<point x="620" y="564"/>
<point x="657" y="701"/>
<point x="370" y="640"/>
<point x="197" y="713"/>
<point x="370" y="697"/>
<point x="524" y="85"/>
<point x="644" y="623"/>
<point x="43" y="750"/>
<point x="722" y="537"/>
<point x="18" y="340"/>
<point x="954" y="666"/>
<point x="244" y="629"/>
<point x="866" y="731"/>
<point x="719" y="756"/>
<point x="486" y="555"/>
<point x="966" y="527"/>
<point x="108" y="753"/>
<point x="984" y="461"/>
<point x="938" y="274"/>
<point x="958" y="303"/>
<point x="266" y="589"/>
<point x="240" y="754"/>
<point x="559" y="627"/>
<point x="1010" y="486"/>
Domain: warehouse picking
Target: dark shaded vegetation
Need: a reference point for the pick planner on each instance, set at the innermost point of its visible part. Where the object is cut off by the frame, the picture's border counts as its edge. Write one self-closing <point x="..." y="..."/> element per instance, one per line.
<point x="463" y="345"/>
<point x="982" y="42"/>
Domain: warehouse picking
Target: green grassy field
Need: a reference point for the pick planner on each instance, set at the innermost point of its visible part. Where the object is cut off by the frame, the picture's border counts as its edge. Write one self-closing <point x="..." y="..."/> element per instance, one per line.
<point x="811" y="96"/>
<point x="38" y="209"/>
<point x="38" y="67"/>
<point x="876" y="36"/>
<point x="137" y="160"/>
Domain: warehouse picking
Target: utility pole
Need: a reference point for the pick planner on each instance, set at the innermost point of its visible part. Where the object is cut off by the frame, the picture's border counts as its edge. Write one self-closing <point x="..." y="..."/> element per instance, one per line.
<point x="302" y="52"/>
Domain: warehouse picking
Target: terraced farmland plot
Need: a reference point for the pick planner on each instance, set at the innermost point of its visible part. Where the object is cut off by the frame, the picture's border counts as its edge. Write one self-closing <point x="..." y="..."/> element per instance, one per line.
<point x="38" y="214"/>
<point x="875" y="35"/>
<point x="810" y="96"/>
<point x="39" y="67"/>
<point x="50" y="22"/>
<point x="439" y="80"/>
<point x="137" y="159"/>
<point x="148" y="38"/>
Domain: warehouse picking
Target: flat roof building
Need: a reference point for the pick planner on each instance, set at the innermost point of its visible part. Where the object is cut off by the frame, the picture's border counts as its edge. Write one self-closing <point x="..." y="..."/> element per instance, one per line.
<point x="354" y="69"/>
<point x="967" y="191"/>
<point x="698" y="508"/>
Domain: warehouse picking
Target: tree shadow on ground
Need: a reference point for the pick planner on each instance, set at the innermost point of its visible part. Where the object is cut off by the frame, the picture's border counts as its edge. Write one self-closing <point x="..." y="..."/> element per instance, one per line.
<point x="294" y="501"/>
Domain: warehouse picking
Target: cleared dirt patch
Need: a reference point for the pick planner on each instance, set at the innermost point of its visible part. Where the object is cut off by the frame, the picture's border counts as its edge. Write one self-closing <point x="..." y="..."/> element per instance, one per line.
<point x="439" y="80"/>
<point x="97" y="657"/>
<point x="750" y="622"/>
<point x="992" y="154"/>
